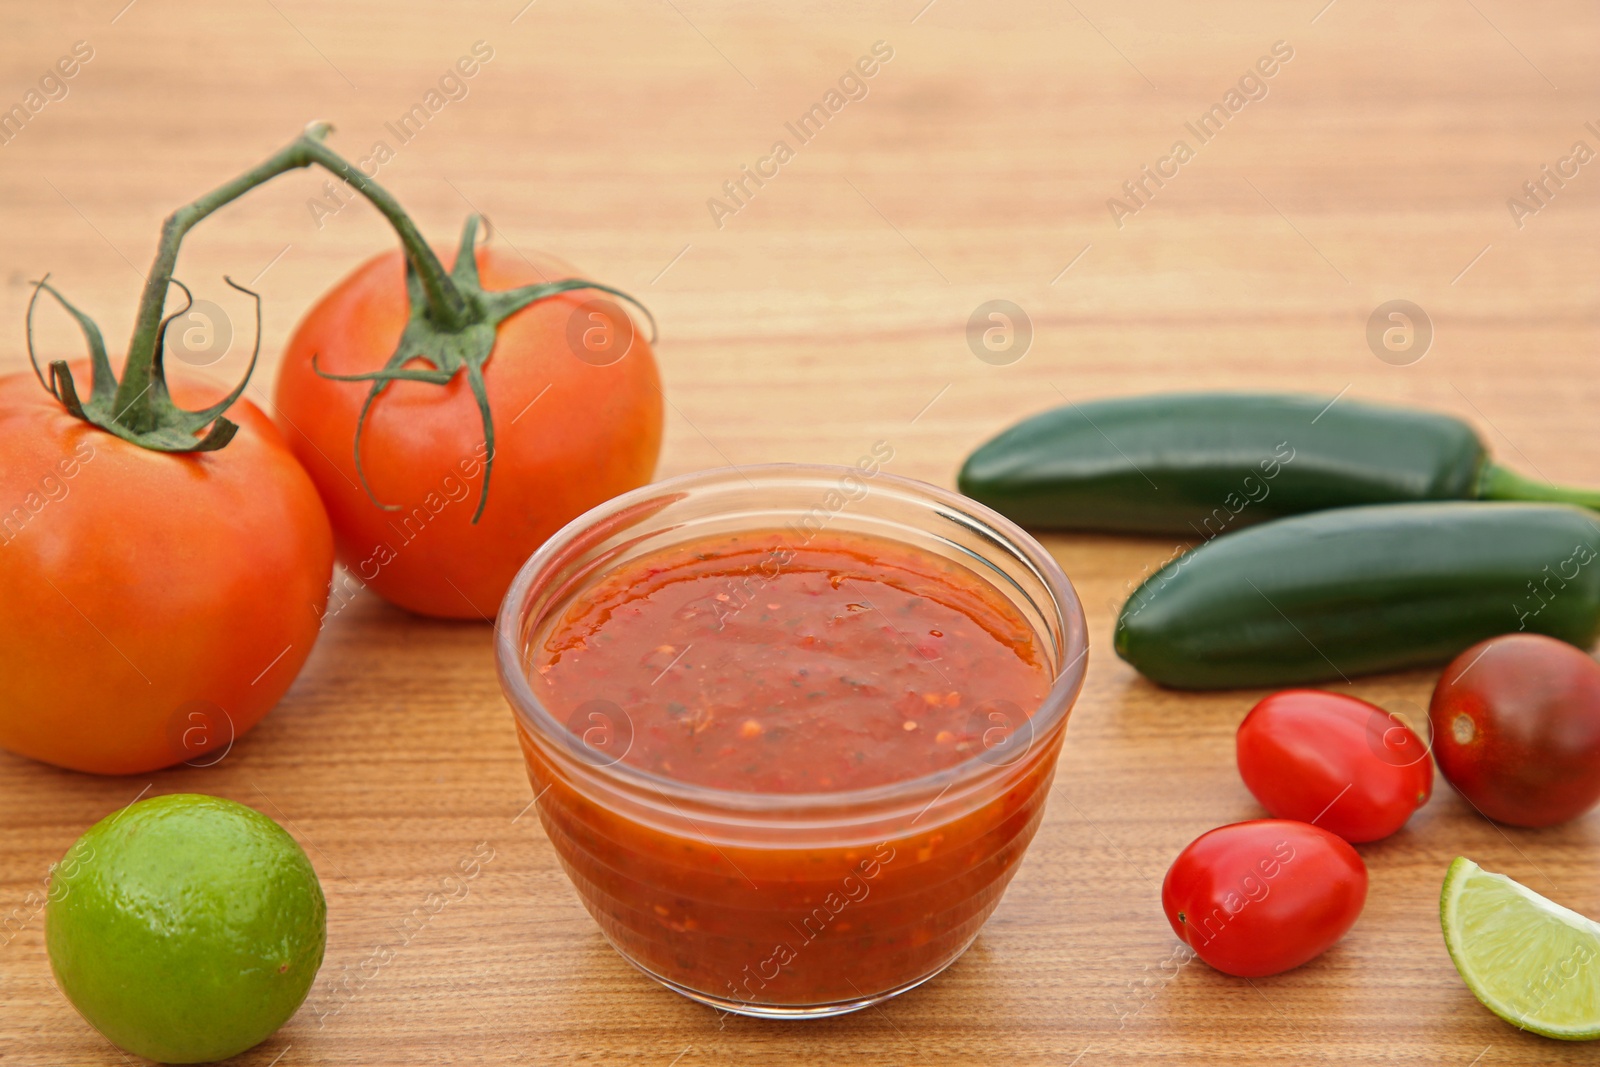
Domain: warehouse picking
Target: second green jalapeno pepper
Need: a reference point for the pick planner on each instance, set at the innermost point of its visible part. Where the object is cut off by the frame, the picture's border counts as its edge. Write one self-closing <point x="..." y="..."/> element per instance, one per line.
<point x="1328" y="596"/>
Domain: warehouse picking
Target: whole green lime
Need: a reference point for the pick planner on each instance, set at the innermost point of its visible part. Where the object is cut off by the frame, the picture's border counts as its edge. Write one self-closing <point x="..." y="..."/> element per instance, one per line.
<point x="185" y="928"/>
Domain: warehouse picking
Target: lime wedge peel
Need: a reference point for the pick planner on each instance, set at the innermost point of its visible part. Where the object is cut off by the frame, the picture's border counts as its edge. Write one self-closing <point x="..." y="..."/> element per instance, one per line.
<point x="1529" y="960"/>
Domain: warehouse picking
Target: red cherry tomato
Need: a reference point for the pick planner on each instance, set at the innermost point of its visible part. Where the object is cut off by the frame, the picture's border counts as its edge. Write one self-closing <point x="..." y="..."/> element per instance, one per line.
<point x="1348" y="766"/>
<point x="1516" y="729"/>
<point x="1256" y="898"/>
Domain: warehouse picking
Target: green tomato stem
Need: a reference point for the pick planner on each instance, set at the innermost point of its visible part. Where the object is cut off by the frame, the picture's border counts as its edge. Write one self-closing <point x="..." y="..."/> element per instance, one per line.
<point x="138" y="394"/>
<point x="452" y="325"/>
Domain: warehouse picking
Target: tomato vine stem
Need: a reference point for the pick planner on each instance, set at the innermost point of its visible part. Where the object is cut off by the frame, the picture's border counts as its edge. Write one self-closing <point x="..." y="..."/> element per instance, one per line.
<point x="452" y="323"/>
<point x="445" y="304"/>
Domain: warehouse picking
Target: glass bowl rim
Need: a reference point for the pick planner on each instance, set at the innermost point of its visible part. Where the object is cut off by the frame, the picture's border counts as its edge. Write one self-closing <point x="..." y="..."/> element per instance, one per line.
<point x="531" y="711"/>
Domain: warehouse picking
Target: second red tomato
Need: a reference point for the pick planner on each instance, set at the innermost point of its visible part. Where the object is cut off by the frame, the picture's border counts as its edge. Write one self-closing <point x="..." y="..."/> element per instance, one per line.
<point x="570" y="433"/>
<point x="1348" y="766"/>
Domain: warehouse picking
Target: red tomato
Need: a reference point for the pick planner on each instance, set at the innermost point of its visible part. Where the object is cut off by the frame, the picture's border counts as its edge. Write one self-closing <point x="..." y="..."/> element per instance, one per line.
<point x="570" y="434"/>
<point x="1516" y="729"/>
<point x="1348" y="766"/>
<point x="1256" y="898"/>
<point x="153" y="606"/>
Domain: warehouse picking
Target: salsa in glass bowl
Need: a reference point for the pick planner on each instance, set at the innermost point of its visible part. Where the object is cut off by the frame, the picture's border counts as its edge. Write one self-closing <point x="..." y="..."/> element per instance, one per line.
<point x="791" y="728"/>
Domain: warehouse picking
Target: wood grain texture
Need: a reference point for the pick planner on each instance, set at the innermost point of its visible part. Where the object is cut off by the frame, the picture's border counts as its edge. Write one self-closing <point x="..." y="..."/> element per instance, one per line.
<point x="827" y="313"/>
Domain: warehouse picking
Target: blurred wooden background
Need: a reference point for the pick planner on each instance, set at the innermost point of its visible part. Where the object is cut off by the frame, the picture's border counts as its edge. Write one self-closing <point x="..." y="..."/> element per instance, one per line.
<point x="828" y="312"/>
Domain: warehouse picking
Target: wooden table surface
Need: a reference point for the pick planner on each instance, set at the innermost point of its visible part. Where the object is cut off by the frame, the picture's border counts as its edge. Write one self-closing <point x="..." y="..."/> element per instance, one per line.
<point x="827" y="312"/>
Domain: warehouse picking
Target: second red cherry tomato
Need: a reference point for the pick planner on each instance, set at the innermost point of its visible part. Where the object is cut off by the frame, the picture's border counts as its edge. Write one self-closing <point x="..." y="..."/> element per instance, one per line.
<point x="1256" y="898"/>
<point x="1348" y="766"/>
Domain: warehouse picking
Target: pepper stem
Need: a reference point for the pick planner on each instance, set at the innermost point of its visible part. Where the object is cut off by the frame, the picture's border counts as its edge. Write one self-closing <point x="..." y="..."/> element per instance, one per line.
<point x="1498" y="483"/>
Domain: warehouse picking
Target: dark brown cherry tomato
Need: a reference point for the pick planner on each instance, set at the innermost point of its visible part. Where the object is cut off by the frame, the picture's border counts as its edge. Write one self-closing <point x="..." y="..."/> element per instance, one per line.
<point x="1516" y="729"/>
<point x="1344" y="764"/>
<point x="1256" y="898"/>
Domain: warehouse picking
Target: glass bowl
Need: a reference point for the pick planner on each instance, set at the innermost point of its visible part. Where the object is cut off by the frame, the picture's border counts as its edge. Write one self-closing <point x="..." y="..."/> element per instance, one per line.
<point x="789" y="905"/>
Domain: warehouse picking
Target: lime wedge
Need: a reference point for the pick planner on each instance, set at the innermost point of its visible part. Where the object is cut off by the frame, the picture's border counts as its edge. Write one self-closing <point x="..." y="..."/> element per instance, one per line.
<point x="1530" y="961"/>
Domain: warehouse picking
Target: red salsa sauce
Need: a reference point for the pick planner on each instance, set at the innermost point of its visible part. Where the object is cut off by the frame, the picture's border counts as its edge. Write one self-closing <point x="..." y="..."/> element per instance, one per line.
<point x="767" y="664"/>
<point x="746" y="664"/>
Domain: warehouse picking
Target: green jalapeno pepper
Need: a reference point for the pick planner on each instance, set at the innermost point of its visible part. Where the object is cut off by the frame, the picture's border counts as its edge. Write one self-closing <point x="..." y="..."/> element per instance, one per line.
<point x="1203" y="464"/>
